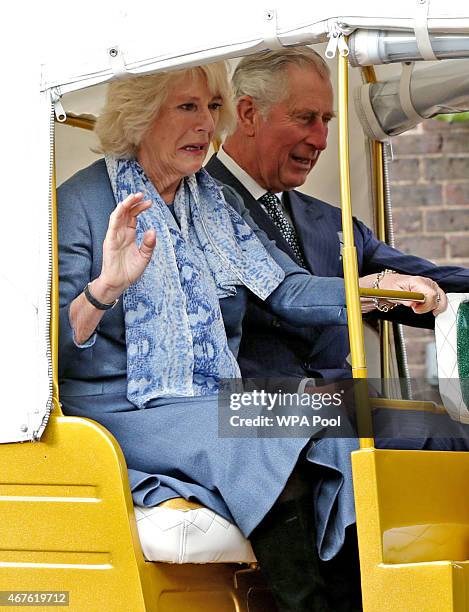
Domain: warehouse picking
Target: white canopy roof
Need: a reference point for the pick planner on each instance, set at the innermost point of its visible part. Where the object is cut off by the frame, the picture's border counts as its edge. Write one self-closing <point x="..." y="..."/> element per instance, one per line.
<point x="151" y="36"/>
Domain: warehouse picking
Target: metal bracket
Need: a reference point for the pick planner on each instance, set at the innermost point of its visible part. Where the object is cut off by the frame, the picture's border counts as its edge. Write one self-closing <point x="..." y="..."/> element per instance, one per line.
<point x="270" y="32"/>
<point x="116" y="60"/>
<point x="59" y="111"/>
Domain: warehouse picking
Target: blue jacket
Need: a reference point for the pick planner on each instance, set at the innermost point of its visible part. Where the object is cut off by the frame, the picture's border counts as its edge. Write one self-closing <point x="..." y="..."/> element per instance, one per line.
<point x="270" y="345"/>
<point x="85" y="202"/>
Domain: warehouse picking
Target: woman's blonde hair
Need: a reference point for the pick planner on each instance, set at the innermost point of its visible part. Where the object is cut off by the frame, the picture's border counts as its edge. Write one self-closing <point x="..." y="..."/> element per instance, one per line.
<point x="132" y="105"/>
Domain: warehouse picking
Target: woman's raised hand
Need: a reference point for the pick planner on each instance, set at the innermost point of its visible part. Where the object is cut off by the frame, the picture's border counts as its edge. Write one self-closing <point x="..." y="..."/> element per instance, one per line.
<point x="123" y="260"/>
<point x="123" y="263"/>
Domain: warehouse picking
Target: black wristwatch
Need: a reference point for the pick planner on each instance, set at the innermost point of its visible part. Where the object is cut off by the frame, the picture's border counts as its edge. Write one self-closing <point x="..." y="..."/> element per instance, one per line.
<point x="96" y="303"/>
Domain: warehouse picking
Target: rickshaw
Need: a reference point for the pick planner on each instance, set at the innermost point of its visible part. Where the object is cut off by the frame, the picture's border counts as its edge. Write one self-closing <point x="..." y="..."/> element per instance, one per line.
<point x="68" y="526"/>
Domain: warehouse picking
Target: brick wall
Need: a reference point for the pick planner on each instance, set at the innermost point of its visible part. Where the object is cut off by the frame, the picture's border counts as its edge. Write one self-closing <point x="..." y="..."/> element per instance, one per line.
<point x="430" y="197"/>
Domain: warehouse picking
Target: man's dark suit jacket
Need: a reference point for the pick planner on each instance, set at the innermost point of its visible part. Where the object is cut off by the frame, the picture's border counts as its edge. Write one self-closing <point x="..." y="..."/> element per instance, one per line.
<point x="270" y="347"/>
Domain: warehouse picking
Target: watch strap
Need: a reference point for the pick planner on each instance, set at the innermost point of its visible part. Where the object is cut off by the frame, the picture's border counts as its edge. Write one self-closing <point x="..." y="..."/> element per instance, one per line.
<point x="96" y="303"/>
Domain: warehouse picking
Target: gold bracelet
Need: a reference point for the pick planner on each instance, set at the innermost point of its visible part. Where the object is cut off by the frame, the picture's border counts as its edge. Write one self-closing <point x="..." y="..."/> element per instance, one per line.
<point x="386" y="307"/>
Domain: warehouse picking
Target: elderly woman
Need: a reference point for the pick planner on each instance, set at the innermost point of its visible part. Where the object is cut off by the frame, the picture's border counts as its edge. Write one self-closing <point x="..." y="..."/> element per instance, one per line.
<point x="156" y="264"/>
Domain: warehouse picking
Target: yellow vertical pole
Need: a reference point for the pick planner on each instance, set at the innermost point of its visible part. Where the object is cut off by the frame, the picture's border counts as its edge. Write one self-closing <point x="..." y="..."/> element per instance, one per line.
<point x="385" y="326"/>
<point x="349" y="257"/>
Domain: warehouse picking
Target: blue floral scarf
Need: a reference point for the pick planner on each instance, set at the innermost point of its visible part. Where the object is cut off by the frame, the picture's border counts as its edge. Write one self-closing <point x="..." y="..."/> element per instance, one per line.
<point x="175" y="336"/>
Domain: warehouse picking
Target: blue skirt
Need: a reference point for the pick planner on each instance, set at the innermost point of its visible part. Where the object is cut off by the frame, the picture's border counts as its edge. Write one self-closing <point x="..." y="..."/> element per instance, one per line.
<point x="173" y="449"/>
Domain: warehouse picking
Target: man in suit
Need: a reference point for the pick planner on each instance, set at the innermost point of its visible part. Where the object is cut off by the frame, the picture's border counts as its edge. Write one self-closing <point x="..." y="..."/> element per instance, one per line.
<point x="284" y="104"/>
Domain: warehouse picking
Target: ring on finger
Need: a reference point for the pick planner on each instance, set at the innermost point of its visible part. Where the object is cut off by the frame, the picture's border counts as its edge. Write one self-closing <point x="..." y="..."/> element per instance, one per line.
<point x="438" y="298"/>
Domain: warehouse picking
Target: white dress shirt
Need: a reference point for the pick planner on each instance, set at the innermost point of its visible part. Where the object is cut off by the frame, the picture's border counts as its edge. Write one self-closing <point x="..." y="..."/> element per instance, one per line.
<point x="243" y="177"/>
<point x="247" y="181"/>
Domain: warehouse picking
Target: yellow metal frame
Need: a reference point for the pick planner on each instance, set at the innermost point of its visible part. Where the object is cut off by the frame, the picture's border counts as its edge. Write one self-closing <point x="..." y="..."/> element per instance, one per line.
<point x="413" y="529"/>
<point x="67" y="524"/>
<point x="411" y="506"/>
<point x="404" y="404"/>
<point x="88" y="124"/>
<point x="349" y="258"/>
<point x="79" y="122"/>
<point x="391" y="294"/>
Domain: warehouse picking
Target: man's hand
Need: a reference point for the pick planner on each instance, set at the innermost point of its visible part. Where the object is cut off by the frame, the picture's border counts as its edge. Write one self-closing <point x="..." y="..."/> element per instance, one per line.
<point x="435" y="297"/>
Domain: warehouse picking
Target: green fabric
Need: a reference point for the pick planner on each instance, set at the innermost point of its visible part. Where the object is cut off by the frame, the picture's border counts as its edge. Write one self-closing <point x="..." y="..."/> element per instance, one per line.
<point x="453" y="117"/>
<point x="462" y="322"/>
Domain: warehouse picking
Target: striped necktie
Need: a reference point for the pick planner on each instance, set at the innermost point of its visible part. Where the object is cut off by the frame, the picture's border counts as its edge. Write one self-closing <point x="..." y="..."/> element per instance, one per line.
<point x="272" y="205"/>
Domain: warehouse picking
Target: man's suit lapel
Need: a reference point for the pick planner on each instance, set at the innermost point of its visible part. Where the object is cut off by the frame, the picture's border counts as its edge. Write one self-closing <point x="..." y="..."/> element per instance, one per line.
<point x="260" y="217"/>
<point x="317" y="235"/>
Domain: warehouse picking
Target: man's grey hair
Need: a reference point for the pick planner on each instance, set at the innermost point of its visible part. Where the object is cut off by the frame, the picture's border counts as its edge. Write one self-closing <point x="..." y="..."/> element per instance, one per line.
<point x="264" y="76"/>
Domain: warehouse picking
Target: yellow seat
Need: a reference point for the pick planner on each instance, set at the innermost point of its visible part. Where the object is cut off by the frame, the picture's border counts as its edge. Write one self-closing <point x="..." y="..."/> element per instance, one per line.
<point x="67" y="524"/>
<point x="413" y="529"/>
